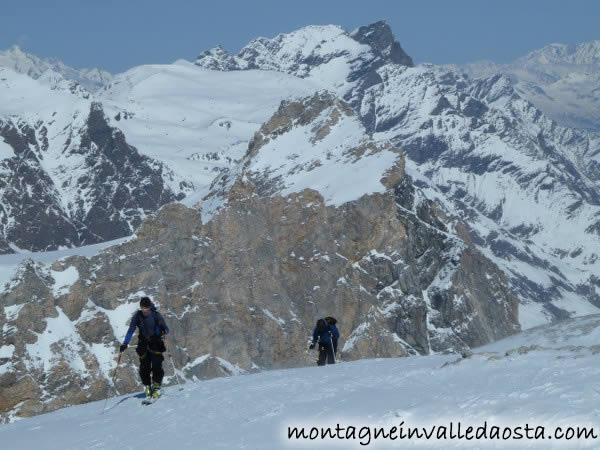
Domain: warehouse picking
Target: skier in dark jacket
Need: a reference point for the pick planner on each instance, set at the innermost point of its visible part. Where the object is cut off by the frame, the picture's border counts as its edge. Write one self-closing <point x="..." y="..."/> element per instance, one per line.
<point x="327" y="335"/>
<point x="152" y="328"/>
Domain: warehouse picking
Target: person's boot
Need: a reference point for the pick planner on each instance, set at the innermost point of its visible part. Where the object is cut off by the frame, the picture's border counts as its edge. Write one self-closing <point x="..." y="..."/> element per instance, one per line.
<point x="148" y="391"/>
<point x="155" y="390"/>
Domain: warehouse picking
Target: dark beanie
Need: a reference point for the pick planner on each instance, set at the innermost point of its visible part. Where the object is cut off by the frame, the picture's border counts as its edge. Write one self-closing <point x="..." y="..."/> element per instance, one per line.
<point x="145" y="302"/>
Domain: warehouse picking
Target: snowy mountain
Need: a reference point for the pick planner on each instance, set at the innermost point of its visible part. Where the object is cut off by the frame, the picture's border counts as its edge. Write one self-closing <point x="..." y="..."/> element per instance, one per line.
<point x="543" y="378"/>
<point x="562" y="81"/>
<point x="320" y="172"/>
<point x="525" y="186"/>
<point x="310" y="48"/>
<point x="198" y="122"/>
<point x="70" y="178"/>
<point x="171" y="147"/>
<point x="21" y="62"/>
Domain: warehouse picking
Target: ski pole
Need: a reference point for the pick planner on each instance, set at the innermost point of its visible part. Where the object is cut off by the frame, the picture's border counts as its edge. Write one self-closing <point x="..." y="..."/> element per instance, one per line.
<point x="333" y="352"/>
<point x="331" y="344"/>
<point x="112" y="381"/>
<point x="172" y="363"/>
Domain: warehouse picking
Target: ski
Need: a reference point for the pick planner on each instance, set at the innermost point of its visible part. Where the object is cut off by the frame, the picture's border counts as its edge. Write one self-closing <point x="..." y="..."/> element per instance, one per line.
<point x="149" y="401"/>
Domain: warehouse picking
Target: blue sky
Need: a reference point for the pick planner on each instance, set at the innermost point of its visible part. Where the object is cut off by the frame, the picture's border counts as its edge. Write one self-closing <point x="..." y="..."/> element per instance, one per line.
<point x="117" y="35"/>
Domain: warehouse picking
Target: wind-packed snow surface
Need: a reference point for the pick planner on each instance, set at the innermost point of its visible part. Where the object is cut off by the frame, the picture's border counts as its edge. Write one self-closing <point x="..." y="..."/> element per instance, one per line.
<point x="546" y="377"/>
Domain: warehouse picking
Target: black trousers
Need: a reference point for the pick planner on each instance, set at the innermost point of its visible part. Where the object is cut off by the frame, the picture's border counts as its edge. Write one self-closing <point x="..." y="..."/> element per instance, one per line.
<point x="326" y="354"/>
<point x="151" y="359"/>
<point x="151" y="364"/>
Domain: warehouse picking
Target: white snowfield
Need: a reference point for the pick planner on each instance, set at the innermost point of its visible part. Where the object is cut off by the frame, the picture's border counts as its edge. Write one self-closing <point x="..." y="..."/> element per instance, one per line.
<point x="542" y="388"/>
<point x="197" y="121"/>
<point x="331" y="164"/>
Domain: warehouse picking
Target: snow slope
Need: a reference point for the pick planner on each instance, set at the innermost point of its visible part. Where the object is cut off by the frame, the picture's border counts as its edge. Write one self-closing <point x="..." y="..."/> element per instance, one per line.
<point x="550" y="387"/>
<point x="196" y="121"/>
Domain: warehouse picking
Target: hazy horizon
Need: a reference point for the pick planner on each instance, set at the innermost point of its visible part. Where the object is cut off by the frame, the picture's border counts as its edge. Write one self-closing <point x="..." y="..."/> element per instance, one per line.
<point x="115" y="36"/>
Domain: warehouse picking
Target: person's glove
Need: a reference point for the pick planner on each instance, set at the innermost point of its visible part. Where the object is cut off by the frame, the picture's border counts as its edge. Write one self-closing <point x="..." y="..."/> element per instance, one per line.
<point x="311" y="346"/>
<point x="123" y="347"/>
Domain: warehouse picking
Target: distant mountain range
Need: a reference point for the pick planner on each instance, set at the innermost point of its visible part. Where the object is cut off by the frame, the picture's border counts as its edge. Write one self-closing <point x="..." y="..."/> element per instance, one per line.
<point x="16" y="59"/>
<point x="562" y="81"/>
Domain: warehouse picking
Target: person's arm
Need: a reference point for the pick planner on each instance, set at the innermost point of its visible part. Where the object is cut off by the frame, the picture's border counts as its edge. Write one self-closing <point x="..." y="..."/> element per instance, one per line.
<point x="335" y="336"/>
<point x="132" y="325"/>
<point x="335" y="331"/>
<point x="162" y="324"/>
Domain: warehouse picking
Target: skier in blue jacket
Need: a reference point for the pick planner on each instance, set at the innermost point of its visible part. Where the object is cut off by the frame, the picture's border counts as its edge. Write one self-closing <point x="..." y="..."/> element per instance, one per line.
<point x="327" y="335"/>
<point x="152" y="328"/>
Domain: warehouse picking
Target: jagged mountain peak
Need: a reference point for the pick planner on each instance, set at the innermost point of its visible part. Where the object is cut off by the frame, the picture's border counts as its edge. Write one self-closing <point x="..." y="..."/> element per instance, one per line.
<point x="16" y="51"/>
<point x="496" y="87"/>
<point x="16" y="59"/>
<point x="323" y="105"/>
<point x="310" y="49"/>
<point x="217" y="58"/>
<point x="379" y="37"/>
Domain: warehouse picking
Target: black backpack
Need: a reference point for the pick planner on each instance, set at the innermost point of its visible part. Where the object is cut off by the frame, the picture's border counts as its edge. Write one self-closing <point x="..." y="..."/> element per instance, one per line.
<point x="322" y="326"/>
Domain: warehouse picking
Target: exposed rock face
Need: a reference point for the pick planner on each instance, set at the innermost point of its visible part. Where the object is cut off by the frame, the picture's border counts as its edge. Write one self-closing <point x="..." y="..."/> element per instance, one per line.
<point x="119" y="181"/>
<point x="242" y="291"/>
<point x="100" y="190"/>
<point x="247" y="287"/>
<point x="380" y="38"/>
<point x="31" y="215"/>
